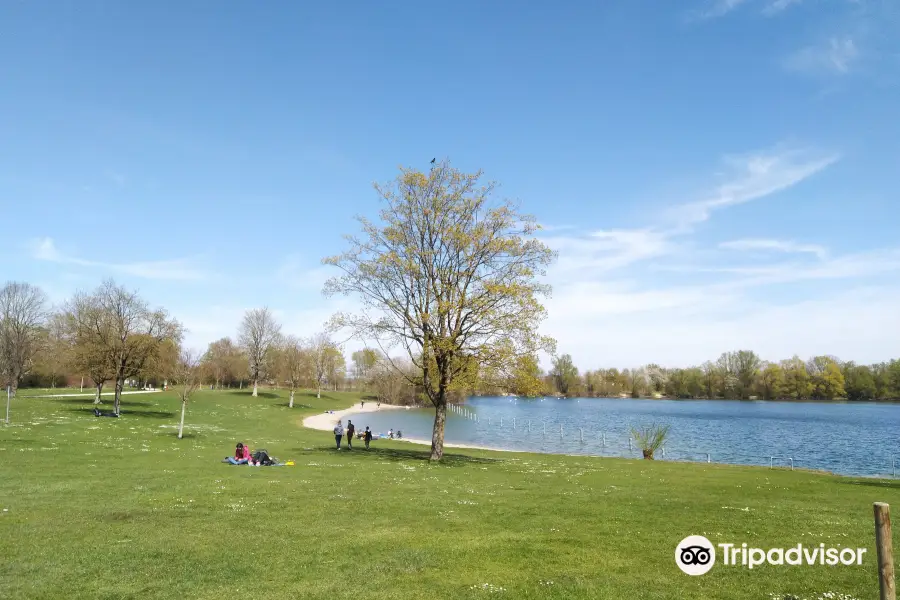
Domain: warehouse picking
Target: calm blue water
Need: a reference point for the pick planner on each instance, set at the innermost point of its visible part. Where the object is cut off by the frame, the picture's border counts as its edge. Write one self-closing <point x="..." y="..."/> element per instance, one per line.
<point x="850" y="439"/>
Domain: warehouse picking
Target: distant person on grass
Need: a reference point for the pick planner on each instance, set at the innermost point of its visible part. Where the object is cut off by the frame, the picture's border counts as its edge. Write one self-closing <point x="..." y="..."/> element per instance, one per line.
<point x="368" y="436"/>
<point x="241" y="455"/>
<point x="351" y="429"/>
<point x="338" y="434"/>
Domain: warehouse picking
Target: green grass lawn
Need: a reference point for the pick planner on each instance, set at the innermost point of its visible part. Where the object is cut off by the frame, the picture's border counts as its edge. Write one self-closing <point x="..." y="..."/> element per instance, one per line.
<point x="104" y="508"/>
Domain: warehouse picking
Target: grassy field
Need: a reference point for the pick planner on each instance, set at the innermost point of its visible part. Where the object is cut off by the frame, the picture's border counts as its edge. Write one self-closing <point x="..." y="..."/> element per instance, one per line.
<point x="106" y="508"/>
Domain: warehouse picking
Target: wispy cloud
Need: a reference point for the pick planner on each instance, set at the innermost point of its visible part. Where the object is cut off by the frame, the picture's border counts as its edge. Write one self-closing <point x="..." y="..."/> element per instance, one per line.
<point x="179" y="269"/>
<point x="622" y="285"/>
<point x="752" y="176"/>
<point x="605" y="250"/>
<point x="718" y="8"/>
<point x="755" y="176"/>
<point x="777" y="6"/>
<point x="775" y="245"/>
<point x="550" y="228"/>
<point x="837" y="55"/>
<point x="297" y="274"/>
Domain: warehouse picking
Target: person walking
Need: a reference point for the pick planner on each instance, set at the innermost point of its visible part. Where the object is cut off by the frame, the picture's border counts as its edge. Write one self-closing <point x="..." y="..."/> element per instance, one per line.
<point x="368" y="436"/>
<point x="351" y="429"/>
<point x="338" y="434"/>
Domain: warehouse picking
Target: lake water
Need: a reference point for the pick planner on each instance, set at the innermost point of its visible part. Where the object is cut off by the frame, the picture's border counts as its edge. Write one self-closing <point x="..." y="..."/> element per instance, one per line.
<point x="850" y="439"/>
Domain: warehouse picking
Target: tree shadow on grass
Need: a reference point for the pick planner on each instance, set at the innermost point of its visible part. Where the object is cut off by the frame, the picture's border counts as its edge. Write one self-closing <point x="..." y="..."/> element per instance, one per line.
<point x="249" y="394"/>
<point x="887" y="484"/>
<point x="360" y="454"/>
<point x="106" y="402"/>
<point x="125" y="414"/>
<point x="296" y="405"/>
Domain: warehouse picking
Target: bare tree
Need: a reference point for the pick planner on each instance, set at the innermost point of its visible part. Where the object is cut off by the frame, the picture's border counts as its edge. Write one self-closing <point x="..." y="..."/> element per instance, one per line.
<point x="23" y="310"/>
<point x="296" y="363"/>
<point x="57" y="351"/>
<point x="187" y="378"/>
<point x="322" y="349"/>
<point x="258" y="334"/>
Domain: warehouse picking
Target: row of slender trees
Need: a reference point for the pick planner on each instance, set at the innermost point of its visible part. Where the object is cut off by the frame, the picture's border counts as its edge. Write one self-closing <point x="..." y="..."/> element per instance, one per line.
<point x="112" y="335"/>
<point x="735" y="375"/>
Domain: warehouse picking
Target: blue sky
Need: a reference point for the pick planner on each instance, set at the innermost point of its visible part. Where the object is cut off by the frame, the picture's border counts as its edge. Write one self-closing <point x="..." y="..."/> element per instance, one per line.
<point x="715" y="174"/>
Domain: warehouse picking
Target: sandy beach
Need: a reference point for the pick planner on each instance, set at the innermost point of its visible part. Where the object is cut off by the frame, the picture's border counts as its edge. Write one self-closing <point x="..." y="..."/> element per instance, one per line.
<point x="327" y="421"/>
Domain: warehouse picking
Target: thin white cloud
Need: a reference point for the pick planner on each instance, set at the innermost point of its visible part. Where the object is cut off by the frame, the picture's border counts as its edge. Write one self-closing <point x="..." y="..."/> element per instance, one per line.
<point x="296" y="274"/>
<point x="774" y="245"/>
<point x="718" y="8"/>
<point x="848" y="266"/>
<point x="835" y="56"/>
<point x="603" y="251"/>
<point x="777" y="6"/>
<point x="179" y="269"/>
<point x="714" y="9"/>
<point x="617" y="300"/>
<point x="755" y="176"/>
<point x="550" y="228"/>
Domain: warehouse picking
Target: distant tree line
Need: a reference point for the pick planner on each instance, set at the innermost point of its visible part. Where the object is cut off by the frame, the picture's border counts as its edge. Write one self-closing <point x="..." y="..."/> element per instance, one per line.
<point x="110" y="335"/>
<point x="735" y="375"/>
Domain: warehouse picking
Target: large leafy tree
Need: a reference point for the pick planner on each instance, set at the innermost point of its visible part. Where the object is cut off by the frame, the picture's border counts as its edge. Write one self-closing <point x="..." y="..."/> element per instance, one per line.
<point x="565" y="374"/>
<point x="117" y="334"/>
<point x="449" y="271"/>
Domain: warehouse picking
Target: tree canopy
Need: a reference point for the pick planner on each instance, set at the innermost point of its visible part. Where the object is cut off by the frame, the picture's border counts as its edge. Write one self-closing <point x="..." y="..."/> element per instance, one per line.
<point x="448" y="271"/>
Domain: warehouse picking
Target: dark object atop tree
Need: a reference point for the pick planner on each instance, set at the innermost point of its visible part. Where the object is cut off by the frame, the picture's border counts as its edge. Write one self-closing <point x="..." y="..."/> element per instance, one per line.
<point x="432" y="160"/>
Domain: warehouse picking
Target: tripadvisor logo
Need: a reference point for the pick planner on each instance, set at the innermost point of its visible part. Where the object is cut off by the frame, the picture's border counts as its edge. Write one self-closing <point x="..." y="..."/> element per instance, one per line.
<point x="696" y="555"/>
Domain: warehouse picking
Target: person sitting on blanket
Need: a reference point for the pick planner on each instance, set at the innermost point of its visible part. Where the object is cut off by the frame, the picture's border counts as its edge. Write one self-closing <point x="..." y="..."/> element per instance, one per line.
<point x="241" y="455"/>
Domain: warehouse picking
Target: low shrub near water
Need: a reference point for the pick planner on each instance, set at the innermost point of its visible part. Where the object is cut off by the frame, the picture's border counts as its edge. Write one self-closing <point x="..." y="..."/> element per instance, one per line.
<point x="650" y="438"/>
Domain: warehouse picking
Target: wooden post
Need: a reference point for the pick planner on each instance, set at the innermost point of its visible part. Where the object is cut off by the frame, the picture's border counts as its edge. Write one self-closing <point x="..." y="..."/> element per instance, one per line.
<point x="885" y="551"/>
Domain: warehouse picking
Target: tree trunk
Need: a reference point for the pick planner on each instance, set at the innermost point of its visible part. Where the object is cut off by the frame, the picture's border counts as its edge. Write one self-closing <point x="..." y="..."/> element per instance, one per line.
<point x="255" y="384"/>
<point x="99" y="390"/>
<point x="181" y="425"/>
<point x="319" y="391"/>
<point x="291" y="404"/>
<point x="82" y="383"/>
<point x="437" y="434"/>
<point x="120" y="383"/>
